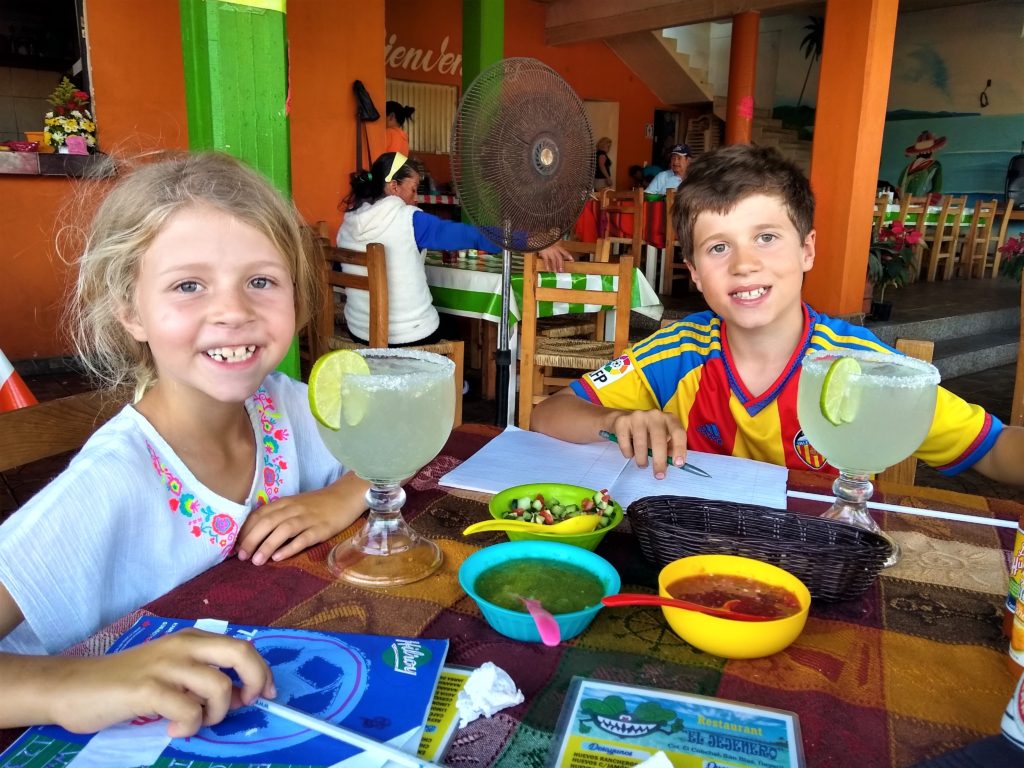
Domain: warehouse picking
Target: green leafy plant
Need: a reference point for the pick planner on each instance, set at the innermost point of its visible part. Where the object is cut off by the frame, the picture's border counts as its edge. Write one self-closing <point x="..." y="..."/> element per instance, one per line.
<point x="1013" y="257"/>
<point x="891" y="256"/>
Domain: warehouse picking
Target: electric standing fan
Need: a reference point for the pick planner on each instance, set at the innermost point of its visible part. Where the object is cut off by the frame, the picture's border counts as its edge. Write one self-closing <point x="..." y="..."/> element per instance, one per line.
<point x="523" y="165"/>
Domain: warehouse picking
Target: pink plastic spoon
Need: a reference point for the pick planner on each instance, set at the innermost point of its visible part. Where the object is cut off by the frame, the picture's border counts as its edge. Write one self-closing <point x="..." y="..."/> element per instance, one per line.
<point x="633" y="598"/>
<point x="550" y="632"/>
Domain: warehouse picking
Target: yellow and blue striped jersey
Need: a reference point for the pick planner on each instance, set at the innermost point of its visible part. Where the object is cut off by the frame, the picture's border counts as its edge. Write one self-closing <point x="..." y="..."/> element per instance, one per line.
<point x="686" y="369"/>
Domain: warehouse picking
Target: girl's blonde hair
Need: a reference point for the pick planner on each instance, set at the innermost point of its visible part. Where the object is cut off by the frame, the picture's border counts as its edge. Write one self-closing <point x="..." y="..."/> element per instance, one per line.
<point x="128" y="221"/>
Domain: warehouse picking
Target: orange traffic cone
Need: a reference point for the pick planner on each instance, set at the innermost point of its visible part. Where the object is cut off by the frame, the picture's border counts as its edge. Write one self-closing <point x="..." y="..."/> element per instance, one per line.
<point x="13" y="392"/>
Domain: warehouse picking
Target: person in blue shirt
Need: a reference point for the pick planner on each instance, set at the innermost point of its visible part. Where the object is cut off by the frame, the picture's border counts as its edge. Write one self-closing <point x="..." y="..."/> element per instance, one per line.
<point x="382" y="209"/>
<point x="680" y="156"/>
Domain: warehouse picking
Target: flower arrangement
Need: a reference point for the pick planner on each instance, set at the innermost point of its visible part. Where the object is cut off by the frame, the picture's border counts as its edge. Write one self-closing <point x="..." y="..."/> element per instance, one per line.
<point x="891" y="256"/>
<point x="69" y="116"/>
<point x="1013" y="256"/>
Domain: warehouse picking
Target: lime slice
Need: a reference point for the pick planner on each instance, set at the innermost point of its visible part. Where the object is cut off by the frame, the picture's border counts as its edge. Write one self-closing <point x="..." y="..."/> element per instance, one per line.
<point x="325" y="387"/>
<point x="840" y="393"/>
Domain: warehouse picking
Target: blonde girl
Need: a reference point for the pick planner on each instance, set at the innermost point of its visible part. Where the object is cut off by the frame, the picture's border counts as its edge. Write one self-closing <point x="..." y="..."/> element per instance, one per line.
<point x="194" y="278"/>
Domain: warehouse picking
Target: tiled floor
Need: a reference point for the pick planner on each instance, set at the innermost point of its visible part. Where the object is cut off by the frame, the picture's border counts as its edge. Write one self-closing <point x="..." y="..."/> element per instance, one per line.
<point x="993" y="389"/>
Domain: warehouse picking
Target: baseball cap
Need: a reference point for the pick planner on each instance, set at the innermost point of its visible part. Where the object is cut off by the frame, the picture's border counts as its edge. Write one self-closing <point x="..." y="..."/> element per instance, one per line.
<point x="681" y="149"/>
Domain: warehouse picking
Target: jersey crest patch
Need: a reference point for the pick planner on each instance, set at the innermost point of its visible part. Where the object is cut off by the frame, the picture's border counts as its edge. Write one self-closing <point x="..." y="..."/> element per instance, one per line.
<point x="710" y="431"/>
<point x="803" y="448"/>
<point x="610" y="372"/>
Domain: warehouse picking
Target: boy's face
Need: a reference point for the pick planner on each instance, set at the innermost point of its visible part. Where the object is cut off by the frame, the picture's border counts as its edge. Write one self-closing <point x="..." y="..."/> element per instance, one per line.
<point x="749" y="263"/>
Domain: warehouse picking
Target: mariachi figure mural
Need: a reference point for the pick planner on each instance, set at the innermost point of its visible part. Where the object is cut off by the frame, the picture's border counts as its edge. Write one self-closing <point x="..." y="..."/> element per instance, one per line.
<point x="923" y="174"/>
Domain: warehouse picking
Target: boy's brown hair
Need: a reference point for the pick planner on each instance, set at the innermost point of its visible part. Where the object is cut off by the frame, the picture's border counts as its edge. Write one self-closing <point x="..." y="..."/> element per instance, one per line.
<point x="716" y="181"/>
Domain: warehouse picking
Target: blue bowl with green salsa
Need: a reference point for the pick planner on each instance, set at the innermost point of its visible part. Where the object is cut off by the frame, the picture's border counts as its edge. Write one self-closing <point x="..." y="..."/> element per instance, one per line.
<point x="569" y="582"/>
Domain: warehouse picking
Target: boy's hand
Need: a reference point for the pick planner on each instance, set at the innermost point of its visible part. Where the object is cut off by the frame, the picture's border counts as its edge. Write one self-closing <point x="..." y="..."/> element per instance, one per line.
<point x="656" y="431"/>
<point x="176" y="676"/>
<point x="289" y="525"/>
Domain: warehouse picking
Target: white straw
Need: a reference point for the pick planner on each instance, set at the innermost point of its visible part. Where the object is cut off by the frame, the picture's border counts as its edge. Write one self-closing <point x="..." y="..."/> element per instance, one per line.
<point x="342" y="734"/>
<point x="913" y="511"/>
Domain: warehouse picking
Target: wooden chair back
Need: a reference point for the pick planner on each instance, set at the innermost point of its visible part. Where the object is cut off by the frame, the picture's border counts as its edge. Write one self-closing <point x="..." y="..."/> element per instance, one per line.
<point x="1017" y="408"/>
<point x="878" y="217"/>
<point x="539" y="356"/>
<point x="980" y="236"/>
<point x="914" y="213"/>
<point x="673" y="265"/>
<point x="54" y="427"/>
<point x="905" y="472"/>
<point x="946" y="237"/>
<point x="375" y="281"/>
<point x="1004" y="225"/>
<point x="625" y="203"/>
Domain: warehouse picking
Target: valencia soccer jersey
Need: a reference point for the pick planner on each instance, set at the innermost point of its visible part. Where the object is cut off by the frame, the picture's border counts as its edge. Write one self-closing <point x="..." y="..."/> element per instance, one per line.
<point x="686" y="369"/>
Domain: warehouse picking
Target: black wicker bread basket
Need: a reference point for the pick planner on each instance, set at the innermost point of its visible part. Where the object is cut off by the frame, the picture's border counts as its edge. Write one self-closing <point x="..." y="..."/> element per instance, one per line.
<point x="835" y="560"/>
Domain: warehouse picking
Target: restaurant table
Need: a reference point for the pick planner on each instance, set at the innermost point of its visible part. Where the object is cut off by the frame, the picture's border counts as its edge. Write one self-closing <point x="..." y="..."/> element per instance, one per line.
<point x="931" y="217"/>
<point x="469" y="285"/>
<point x="914" y="668"/>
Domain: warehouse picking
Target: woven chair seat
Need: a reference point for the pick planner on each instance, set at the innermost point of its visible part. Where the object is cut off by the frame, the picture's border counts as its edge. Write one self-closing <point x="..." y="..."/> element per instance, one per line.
<point x="580" y="354"/>
<point x="566" y="326"/>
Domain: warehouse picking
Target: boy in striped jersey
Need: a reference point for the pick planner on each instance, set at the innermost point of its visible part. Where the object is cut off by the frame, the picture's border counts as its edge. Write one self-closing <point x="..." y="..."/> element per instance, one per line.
<point x="725" y="381"/>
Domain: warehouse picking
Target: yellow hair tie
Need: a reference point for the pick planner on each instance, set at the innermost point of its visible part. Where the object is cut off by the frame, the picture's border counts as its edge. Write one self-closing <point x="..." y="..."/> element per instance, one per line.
<point x="397" y="163"/>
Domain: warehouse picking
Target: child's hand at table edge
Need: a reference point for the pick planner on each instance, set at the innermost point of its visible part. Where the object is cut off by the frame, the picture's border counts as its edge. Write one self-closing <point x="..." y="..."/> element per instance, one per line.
<point x="177" y="676"/>
<point x="291" y="524"/>
<point x="654" y="430"/>
<point x="554" y="256"/>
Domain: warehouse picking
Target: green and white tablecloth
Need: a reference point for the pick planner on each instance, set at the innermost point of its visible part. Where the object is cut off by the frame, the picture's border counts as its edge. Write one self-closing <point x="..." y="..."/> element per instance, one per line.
<point x="471" y="286"/>
<point x="931" y="218"/>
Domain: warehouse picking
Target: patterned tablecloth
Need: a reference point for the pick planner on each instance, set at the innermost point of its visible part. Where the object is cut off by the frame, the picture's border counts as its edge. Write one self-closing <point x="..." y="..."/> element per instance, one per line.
<point x="931" y="217"/>
<point x="913" y="669"/>
<point x="470" y="285"/>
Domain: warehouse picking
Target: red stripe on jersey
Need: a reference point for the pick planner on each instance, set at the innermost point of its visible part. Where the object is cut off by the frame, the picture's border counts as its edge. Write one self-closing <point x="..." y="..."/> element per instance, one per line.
<point x="711" y="427"/>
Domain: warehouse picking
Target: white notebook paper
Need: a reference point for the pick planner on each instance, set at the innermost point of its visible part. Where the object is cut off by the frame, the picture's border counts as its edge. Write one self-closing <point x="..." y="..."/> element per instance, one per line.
<point x="517" y="457"/>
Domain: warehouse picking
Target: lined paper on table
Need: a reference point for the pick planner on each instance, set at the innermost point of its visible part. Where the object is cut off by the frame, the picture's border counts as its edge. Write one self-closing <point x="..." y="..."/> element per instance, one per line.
<point x="517" y="457"/>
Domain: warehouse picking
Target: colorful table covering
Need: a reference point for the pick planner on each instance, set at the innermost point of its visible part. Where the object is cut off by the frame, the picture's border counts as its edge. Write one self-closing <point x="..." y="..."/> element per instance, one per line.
<point x="931" y="217"/>
<point x="437" y="199"/>
<point x="911" y="670"/>
<point x="471" y="286"/>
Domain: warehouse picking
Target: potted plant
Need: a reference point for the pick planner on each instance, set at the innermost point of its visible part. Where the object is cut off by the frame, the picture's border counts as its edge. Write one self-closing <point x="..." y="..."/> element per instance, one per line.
<point x="1013" y="257"/>
<point x="69" y="117"/>
<point x="890" y="260"/>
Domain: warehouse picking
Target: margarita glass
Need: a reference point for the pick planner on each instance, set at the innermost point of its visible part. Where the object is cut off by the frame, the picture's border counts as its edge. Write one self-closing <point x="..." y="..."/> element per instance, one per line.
<point x="864" y="411"/>
<point x="394" y="420"/>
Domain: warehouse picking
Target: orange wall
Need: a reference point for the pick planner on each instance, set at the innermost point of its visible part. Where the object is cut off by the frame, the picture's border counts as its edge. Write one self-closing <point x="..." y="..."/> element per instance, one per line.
<point x="592" y="69"/>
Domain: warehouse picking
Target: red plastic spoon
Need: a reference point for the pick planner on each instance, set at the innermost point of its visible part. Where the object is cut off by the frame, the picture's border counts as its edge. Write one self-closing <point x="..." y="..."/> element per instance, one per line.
<point x="636" y="598"/>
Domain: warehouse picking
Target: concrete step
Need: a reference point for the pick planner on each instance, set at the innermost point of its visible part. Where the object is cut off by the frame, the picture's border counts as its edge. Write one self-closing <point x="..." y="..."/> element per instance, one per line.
<point x="970" y="354"/>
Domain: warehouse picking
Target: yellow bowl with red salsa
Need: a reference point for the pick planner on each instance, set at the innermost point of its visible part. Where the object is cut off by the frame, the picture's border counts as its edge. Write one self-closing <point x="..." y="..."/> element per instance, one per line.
<point x="743" y="585"/>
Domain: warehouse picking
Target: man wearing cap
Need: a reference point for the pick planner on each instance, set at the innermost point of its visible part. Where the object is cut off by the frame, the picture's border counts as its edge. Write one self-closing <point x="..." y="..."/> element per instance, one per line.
<point x="923" y="174"/>
<point x="680" y="156"/>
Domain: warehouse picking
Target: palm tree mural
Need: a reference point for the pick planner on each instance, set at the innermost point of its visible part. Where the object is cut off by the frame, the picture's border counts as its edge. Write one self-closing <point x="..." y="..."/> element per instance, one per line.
<point x="811" y="46"/>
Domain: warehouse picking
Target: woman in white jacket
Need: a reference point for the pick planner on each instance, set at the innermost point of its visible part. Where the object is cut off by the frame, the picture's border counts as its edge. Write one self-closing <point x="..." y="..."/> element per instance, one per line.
<point x="381" y="209"/>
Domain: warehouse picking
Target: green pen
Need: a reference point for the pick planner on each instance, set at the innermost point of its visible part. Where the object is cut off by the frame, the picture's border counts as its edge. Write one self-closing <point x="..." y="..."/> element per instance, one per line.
<point x="687" y="467"/>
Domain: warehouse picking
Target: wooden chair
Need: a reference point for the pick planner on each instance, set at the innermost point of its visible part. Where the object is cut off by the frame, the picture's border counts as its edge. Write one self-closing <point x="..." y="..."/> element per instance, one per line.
<point x="56" y="426"/>
<point x="1004" y="225"/>
<point x="878" y="217"/>
<point x="375" y="281"/>
<point x="587" y="325"/>
<point x="540" y="356"/>
<point x="671" y="266"/>
<point x="905" y="472"/>
<point x="980" y="236"/>
<point x="914" y="213"/>
<point x="624" y="203"/>
<point x="946" y="240"/>
<point x="1017" y="409"/>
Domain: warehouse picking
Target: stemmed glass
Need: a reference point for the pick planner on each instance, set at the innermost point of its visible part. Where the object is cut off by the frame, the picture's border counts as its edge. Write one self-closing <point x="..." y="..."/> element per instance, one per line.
<point x="874" y="412"/>
<point x="393" y="421"/>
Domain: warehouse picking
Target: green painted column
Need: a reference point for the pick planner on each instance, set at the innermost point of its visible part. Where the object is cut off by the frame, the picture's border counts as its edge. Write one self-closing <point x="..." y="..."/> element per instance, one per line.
<point x="483" y="36"/>
<point x="236" y="83"/>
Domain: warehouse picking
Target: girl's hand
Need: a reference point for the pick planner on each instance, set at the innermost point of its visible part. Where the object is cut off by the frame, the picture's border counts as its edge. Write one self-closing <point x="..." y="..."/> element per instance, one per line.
<point x="176" y="676"/>
<point x="287" y="526"/>
<point x="659" y="432"/>
<point x="554" y="256"/>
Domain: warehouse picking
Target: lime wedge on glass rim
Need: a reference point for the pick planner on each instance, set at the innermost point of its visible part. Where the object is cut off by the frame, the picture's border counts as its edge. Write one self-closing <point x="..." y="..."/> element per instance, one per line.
<point x="840" y="391"/>
<point x="324" y="388"/>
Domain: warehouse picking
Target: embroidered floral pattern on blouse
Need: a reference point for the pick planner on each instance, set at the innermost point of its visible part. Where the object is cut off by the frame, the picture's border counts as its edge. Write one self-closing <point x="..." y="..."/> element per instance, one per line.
<point x="274" y="465"/>
<point x="218" y="528"/>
